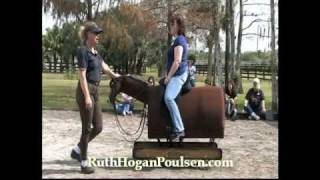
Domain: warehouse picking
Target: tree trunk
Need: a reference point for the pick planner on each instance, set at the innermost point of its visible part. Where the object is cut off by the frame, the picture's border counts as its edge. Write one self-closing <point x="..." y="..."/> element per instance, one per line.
<point x="119" y="3"/>
<point x="72" y="63"/>
<point x="219" y="65"/>
<point x="126" y="66"/>
<point x="216" y="31"/>
<point x="232" y="39"/>
<point x="162" y="66"/>
<point x="142" y="56"/>
<point x="210" y="46"/>
<point x="133" y="68"/>
<point x="67" y="64"/>
<point x="89" y="12"/>
<point x="131" y="63"/>
<point x="216" y="65"/>
<point x="217" y="60"/>
<point x="161" y="63"/>
<point x="140" y="62"/>
<point x="97" y="9"/>
<point x="128" y="62"/>
<point x="134" y="62"/>
<point x="169" y="2"/>
<point x="50" y="63"/>
<point x="273" y="61"/>
<point x="238" y="56"/>
<point x="61" y="65"/>
<point x="227" y="42"/>
<point x="55" y="62"/>
<point x="210" y="42"/>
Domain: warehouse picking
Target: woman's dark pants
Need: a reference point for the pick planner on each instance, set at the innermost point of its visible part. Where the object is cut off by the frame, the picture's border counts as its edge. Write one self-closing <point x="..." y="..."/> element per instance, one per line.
<point x="91" y="116"/>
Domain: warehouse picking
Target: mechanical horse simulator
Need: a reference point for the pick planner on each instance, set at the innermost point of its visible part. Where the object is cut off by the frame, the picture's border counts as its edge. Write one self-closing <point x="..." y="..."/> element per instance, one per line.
<point x="165" y="89"/>
<point x="202" y="110"/>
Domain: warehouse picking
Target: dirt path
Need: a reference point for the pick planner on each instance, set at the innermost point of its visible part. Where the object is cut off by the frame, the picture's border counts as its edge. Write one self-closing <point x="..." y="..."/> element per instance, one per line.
<point x="252" y="145"/>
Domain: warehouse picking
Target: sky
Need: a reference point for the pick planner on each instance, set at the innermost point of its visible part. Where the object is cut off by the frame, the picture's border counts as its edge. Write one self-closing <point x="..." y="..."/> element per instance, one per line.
<point x="249" y="43"/>
<point x="47" y="21"/>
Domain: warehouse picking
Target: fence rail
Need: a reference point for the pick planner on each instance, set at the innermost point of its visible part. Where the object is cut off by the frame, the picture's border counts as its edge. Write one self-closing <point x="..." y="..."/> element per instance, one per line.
<point x="247" y="71"/>
<point x="69" y="67"/>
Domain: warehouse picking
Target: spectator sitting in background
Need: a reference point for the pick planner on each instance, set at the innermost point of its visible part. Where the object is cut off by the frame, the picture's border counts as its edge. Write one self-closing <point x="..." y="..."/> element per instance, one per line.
<point x="254" y="104"/>
<point x="192" y="73"/>
<point x="231" y="97"/>
<point x="126" y="106"/>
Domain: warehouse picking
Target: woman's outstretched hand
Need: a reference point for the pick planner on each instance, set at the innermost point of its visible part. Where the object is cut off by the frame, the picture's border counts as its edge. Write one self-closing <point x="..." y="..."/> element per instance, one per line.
<point x="116" y="75"/>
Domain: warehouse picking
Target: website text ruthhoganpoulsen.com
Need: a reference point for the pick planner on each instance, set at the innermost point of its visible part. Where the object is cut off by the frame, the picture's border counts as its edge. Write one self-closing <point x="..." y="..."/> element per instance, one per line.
<point x="157" y="162"/>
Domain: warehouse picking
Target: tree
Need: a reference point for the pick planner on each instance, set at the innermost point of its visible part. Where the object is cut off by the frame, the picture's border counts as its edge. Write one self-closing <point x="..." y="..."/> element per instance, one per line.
<point x="69" y="43"/>
<point x="227" y="43"/>
<point x="232" y="39"/>
<point x="192" y="57"/>
<point x="52" y="45"/>
<point x="129" y="32"/>
<point x="273" y="60"/>
<point x="238" y="58"/>
<point x="205" y="18"/>
<point x="238" y="55"/>
<point x="217" y="50"/>
<point x="81" y="10"/>
<point x="159" y="9"/>
<point x="162" y="10"/>
<point x="61" y="43"/>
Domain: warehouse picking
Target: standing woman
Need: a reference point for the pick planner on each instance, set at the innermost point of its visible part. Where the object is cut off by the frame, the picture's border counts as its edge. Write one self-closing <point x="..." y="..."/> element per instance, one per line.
<point x="177" y="73"/>
<point x="91" y="65"/>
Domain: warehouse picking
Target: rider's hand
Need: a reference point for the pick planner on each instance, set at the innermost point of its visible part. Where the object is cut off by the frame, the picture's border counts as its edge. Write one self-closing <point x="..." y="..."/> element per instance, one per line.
<point x="166" y="80"/>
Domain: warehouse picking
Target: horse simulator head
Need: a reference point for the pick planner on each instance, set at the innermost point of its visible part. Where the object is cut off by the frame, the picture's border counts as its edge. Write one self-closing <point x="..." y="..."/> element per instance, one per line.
<point x="131" y="85"/>
<point x="115" y="86"/>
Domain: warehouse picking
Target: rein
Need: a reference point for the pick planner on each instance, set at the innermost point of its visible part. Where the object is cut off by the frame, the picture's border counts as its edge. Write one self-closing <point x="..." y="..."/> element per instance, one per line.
<point x="141" y="124"/>
<point x="124" y="132"/>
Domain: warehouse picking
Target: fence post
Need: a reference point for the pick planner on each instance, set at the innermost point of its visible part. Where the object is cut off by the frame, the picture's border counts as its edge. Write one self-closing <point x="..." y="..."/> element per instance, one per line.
<point x="255" y="72"/>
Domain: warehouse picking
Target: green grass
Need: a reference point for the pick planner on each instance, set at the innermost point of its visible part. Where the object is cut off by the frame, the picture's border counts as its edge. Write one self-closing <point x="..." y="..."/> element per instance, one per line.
<point x="58" y="91"/>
